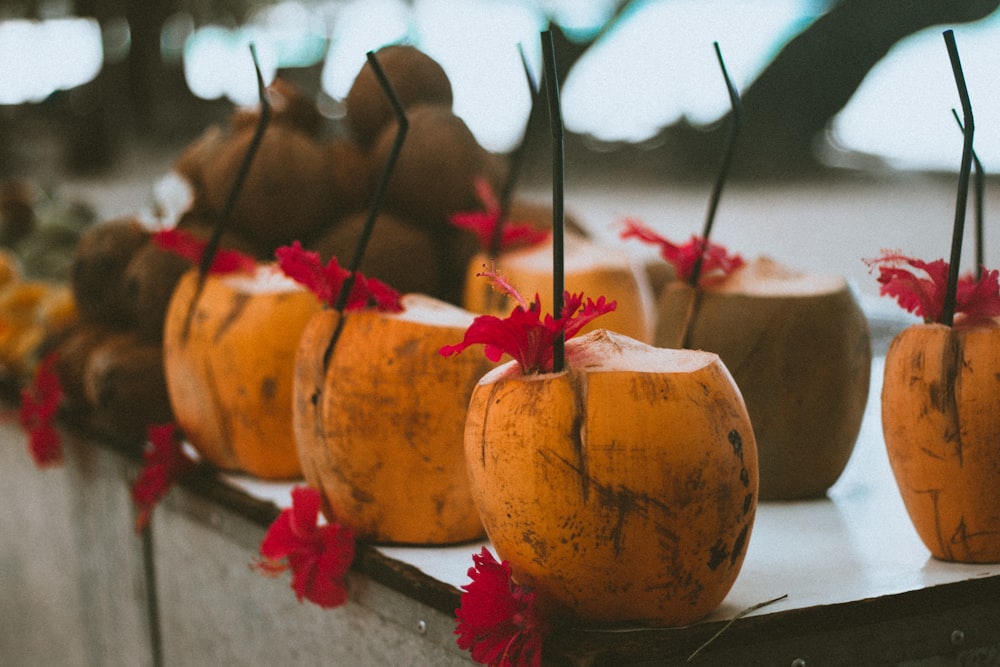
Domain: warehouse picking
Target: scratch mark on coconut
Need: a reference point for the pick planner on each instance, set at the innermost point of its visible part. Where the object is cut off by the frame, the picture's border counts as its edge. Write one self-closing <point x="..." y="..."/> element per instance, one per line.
<point x="935" y="495"/>
<point x="240" y="301"/>
<point x="216" y="400"/>
<point x="623" y="501"/>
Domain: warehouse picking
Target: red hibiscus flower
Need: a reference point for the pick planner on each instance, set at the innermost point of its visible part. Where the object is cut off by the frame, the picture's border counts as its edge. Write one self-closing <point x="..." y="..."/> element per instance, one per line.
<point x="165" y="464"/>
<point x="318" y="556"/>
<point x="716" y="263"/>
<point x="483" y="223"/>
<point x="39" y="407"/>
<point x="497" y="619"/>
<point x="305" y="267"/>
<point x="524" y="334"/>
<point x="190" y="247"/>
<point x="977" y="302"/>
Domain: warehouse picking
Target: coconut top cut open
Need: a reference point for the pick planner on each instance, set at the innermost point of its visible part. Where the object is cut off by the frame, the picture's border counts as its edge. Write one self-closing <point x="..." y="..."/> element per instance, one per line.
<point x="603" y="351"/>
<point x="764" y="276"/>
<point x="266" y="279"/>
<point x="424" y="309"/>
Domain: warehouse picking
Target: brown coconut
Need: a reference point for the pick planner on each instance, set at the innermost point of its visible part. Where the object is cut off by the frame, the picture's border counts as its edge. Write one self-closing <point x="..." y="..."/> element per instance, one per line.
<point x="799" y="347"/>
<point x="415" y="78"/>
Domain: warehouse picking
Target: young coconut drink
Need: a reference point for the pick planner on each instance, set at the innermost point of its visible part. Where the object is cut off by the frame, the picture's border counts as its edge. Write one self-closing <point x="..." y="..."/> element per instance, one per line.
<point x="620" y="488"/>
<point x="942" y="386"/>
<point x="940" y="416"/>
<point x="229" y="351"/>
<point x="378" y="423"/>
<point x="797" y="344"/>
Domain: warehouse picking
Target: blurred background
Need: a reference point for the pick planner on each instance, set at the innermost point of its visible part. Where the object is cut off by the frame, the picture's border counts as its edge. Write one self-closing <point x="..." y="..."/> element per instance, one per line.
<point x="850" y="144"/>
<point x="83" y="81"/>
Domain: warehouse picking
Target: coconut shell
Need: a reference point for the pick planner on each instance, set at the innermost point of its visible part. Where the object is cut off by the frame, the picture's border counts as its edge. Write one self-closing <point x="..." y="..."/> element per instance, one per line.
<point x="379" y="427"/>
<point x="286" y="195"/>
<point x="799" y="347"/>
<point x="149" y="282"/>
<point x="124" y="384"/>
<point x="941" y="425"/>
<point x="623" y="489"/>
<point x="415" y="78"/>
<point x="435" y="173"/>
<point x="398" y="253"/>
<point x="589" y="267"/>
<point x="230" y="368"/>
<point x="97" y="274"/>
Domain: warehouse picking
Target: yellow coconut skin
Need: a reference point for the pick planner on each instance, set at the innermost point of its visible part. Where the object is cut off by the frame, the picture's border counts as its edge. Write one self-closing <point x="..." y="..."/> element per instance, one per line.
<point x="592" y="269"/>
<point x="230" y="372"/>
<point x="618" y="495"/>
<point x="941" y="422"/>
<point x="379" y="428"/>
<point x="802" y="362"/>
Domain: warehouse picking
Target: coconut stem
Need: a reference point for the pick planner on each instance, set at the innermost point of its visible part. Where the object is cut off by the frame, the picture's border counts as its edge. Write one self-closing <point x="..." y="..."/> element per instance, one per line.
<point x="212" y="247"/>
<point x="558" y="186"/>
<point x="513" y="166"/>
<point x="727" y="159"/>
<point x="979" y="189"/>
<point x="948" y="311"/>
<point x="402" y="127"/>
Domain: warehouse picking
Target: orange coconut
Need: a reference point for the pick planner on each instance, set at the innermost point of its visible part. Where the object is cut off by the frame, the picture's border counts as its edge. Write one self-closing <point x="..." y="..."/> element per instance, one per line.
<point x="230" y="368"/>
<point x="622" y="489"/>
<point x="379" y="426"/>
<point x="589" y="267"/>
<point x="941" y="421"/>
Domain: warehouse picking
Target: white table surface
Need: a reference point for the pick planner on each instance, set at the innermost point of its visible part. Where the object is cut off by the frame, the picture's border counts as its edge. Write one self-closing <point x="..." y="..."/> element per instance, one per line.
<point x="855" y="544"/>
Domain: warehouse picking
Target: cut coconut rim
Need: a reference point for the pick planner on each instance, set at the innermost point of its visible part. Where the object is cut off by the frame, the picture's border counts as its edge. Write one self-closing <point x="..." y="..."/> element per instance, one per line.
<point x="430" y="311"/>
<point x="579" y="254"/>
<point x="765" y="277"/>
<point x="604" y="351"/>
<point x="266" y="279"/>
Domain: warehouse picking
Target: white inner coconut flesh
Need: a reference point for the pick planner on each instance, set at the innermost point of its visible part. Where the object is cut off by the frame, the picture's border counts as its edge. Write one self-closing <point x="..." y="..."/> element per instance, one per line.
<point x="425" y="309"/>
<point x="603" y="351"/>
<point x="579" y="254"/>
<point x="763" y="276"/>
<point x="266" y="279"/>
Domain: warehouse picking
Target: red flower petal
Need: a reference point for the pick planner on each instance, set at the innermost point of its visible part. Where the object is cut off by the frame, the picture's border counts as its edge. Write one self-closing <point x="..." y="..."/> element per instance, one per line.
<point x="305" y="267"/>
<point x="483" y="223"/>
<point x="39" y="407"/>
<point x="165" y="464"/>
<point x="977" y="302"/>
<point x="190" y="247"/>
<point x="318" y="556"/>
<point x="497" y="619"/>
<point x="523" y="334"/>
<point x="716" y="263"/>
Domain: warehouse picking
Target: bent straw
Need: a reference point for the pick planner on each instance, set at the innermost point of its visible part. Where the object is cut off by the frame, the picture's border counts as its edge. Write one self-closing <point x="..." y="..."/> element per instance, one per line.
<point x="558" y="184"/>
<point x="948" y="310"/>
<point x="979" y="188"/>
<point x="402" y="127"/>
<point x="514" y="166"/>
<point x="727" y="159"/>
<point x="212" y="247"/>
<point x="694" y="300"/>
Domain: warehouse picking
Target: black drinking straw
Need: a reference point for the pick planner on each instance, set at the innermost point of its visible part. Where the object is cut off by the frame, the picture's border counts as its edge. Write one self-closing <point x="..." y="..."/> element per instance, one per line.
<point x="513" y="166"/>
<point x="212" y="247"/>
<point x="979" y="189"/>
<point x="402" y="127"/>
<point x="727" y="159"/>
<point x="558" y="184"/>
<point x="948" y="311"/>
